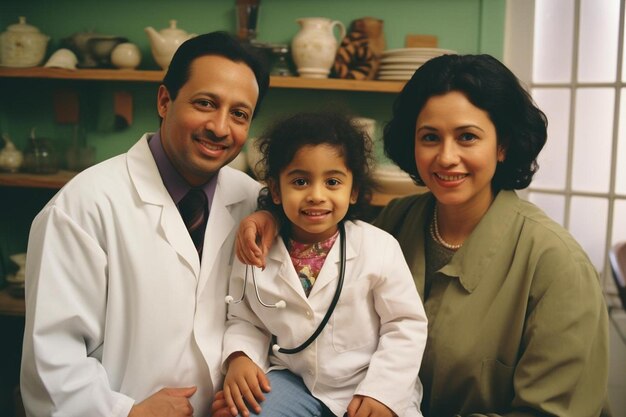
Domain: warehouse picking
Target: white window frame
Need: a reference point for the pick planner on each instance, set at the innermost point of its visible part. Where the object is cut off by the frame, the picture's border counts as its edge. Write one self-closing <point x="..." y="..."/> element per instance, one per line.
<point x="518" y="56"/>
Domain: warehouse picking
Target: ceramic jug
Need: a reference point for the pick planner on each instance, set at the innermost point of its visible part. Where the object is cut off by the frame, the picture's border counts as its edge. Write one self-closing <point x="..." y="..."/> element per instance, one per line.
<point x="314" y="46"/>
<point x="165" y="42"/>
<point x="22" y="45"/>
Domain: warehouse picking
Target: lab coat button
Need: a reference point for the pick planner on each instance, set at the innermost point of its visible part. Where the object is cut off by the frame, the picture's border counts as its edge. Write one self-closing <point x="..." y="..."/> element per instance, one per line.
<point x="308" y="313"/>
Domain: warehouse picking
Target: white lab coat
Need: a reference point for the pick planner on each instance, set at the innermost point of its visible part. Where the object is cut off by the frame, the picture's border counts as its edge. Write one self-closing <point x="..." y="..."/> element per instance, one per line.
<point x="373" y="342"/>
<point x="117" y="304"/>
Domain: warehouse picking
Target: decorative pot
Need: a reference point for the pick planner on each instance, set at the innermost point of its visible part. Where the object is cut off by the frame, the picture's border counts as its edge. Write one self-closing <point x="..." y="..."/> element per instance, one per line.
<point x="22" y="45"/>
<point x="314" y="47"/>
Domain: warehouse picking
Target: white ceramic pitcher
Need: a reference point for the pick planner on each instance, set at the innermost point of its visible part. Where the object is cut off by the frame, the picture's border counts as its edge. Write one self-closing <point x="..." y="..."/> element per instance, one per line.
<point x="314" y="47"/>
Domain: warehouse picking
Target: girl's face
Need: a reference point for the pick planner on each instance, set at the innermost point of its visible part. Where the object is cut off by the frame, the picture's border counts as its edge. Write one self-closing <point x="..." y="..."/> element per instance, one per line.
<point x="315" y="190"/>
<point x="456" y="151"/>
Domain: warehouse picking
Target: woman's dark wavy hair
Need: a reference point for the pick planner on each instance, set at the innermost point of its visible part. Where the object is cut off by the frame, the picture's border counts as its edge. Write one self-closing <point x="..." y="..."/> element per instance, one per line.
<point x="521" y="127"/>
<point x="279" y="144"/>
<point x="215" y="43"/>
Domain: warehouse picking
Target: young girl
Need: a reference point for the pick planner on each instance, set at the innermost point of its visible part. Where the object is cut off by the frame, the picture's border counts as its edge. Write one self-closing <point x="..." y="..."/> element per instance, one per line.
<point x="367" y="354"/>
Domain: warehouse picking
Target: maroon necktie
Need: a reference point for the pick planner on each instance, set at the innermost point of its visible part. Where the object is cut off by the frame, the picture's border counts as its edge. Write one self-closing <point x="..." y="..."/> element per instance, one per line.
<point x="194" y="211"/>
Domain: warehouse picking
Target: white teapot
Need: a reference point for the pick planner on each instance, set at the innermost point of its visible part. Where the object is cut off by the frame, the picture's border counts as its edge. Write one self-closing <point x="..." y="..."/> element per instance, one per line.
<point x="165" y="42"/>
<point x="22" y="45"/>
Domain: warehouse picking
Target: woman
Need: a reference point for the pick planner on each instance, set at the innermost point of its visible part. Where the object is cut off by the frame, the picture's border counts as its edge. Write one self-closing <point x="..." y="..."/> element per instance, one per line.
<point x="517" y="324"/>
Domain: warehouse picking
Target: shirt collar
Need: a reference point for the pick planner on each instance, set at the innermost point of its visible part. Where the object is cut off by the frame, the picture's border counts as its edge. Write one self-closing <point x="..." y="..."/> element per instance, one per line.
<point x="175" y="184"/>
<point x="471" y="261"/>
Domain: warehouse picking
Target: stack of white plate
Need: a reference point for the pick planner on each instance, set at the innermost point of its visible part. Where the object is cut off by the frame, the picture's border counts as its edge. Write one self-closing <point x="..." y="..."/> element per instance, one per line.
<point x="400" y="64"/>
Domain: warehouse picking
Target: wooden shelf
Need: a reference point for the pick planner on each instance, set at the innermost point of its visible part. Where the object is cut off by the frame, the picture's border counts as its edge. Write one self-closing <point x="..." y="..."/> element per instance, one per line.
<point x="19" y="179"/>
<point x="157" y="76"/>
<point x="83" y="74"/>
<point x="10" y="305"/>
<point x="336" y="84"/>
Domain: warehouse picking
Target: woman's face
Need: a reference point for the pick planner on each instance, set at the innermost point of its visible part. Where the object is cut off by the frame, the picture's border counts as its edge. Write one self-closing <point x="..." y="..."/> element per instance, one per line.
<point x="456" y="151"/>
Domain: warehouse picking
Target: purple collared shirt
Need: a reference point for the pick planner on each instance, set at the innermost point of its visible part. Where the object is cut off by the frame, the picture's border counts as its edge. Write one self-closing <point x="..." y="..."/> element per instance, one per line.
<point x="175" y="184"/>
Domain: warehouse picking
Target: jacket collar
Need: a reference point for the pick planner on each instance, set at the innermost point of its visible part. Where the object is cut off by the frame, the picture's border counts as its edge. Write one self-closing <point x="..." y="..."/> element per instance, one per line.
<point x="475" y="256"/>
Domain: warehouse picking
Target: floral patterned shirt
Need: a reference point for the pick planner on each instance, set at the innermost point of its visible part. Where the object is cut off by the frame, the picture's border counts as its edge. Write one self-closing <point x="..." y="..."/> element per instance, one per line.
<point x="308" y="259"/>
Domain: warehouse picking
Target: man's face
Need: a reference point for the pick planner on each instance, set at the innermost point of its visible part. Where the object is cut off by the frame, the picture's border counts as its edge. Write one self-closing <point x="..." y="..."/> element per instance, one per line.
<point x="207" y="124"/>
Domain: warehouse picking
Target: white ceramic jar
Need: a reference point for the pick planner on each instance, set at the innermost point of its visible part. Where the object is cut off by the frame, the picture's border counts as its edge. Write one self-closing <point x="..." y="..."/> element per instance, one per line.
<point x="22" y="45"/>
<point x="10" y="157"/>
<point x="314" y="47"/>
<point x="126" y="56"/>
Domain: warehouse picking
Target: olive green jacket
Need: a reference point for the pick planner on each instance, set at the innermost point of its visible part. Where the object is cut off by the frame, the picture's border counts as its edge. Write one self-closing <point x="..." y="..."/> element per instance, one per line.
<point x="517" y="325"/>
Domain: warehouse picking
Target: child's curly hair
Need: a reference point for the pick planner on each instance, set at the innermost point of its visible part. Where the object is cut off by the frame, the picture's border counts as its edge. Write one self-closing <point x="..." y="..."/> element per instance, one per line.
<point x="279" y="144"/>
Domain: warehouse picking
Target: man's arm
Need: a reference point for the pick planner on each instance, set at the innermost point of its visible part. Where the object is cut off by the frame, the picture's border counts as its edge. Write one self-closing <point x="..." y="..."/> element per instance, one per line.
<point x="65" y="308"/>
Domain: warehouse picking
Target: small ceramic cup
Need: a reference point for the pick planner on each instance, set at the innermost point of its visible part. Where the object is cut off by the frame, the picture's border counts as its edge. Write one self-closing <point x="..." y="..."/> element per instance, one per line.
<point x="126" y="56"/>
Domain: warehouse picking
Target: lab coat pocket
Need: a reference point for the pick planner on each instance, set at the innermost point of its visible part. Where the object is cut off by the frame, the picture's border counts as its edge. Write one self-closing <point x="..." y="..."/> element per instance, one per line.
<point x="497" y="378"/>
<point x="355" y="323"/>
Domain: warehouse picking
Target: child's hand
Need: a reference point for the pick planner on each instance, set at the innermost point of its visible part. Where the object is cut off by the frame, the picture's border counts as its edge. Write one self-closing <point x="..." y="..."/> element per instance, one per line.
<point x="254" y="237"/>
<point x="362" y="406"/>
<point x="245" y="383"/>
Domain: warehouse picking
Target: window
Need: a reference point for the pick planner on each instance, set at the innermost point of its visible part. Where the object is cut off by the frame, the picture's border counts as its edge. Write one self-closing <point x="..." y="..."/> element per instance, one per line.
<point x="570" y="55"/>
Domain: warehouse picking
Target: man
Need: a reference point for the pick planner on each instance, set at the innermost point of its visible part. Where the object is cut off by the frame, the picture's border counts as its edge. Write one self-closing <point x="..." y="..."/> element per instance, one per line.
<point x="124" y="311"/>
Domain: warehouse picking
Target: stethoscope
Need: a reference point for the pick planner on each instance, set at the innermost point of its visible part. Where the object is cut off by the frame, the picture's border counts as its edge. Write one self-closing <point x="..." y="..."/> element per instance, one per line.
<point x="282" y="304"/>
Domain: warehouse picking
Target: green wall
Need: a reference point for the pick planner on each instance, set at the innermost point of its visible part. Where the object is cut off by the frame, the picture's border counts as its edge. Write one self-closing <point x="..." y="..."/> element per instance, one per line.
<point x="466" y="26"/>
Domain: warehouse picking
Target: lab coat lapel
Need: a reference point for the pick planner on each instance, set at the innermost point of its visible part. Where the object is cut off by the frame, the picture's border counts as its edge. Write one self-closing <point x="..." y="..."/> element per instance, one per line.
<point x="281" y="265"/>
<point x="331" y="268"/>
<point x="219" y="226"/>
<point x="147" y="181"/>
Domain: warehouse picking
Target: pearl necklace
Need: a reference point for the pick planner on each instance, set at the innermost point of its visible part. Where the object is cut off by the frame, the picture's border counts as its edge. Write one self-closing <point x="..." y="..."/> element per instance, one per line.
<point x="434" y="232"/>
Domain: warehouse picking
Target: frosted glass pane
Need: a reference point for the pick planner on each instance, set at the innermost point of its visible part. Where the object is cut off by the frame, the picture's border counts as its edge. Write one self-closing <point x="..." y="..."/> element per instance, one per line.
<point x="553" y="205"/>
<point x="588" y="216"/>
<point x="620" y="173"/>
<point x="599" y="24"/>
<point x="619" y="222"/>
<point x="552" y="160"/>
<point x="554" y="28"/>
<point x="592" y="139"/>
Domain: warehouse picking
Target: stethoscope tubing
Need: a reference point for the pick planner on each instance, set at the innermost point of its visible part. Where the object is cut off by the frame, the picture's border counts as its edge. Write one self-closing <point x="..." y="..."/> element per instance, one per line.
<point x="342" y="272"/>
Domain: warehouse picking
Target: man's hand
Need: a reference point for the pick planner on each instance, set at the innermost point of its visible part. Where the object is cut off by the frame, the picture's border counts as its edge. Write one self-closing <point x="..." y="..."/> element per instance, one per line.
<point x="362" y="406"/>
<point x="168" y="402"/>
<point x="219" y="408"/>
<point x="245" y="383"/>
<point x="254" y="237"/>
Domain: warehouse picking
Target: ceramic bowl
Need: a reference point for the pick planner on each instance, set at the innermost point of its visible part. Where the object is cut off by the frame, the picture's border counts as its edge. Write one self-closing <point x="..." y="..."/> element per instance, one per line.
<point x="126" y="55"/>
<point x="392" y="180"/>
<point x="239" y="162"/>
<point x="62" y="58"/>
